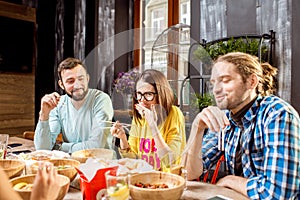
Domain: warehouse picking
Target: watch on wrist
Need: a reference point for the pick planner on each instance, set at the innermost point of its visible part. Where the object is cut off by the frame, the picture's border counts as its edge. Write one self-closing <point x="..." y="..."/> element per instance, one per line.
<point x="57" y="146"/>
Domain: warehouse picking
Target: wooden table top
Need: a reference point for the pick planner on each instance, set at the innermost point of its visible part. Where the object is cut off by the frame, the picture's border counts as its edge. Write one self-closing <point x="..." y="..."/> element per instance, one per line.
<point x="195" y="190"/>
<point x="21" y="144"/>
<point x="204" y="191"/>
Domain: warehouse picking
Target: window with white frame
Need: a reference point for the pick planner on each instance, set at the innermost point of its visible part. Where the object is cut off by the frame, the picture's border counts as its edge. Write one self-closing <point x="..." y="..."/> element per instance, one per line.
<point x="185" y="13"/>
<point x="158" y="21"/>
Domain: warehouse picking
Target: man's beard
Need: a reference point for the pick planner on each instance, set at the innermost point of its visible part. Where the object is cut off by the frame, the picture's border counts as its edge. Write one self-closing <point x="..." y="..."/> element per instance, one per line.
<point x="223" y="105"/>
<point x="79" y="96"/>
<point x="229" y="105"/>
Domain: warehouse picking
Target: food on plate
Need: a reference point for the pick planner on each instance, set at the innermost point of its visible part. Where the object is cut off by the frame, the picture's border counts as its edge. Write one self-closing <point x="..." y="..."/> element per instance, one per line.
<point x="60" y="167"/>
<point x="39" y="155"/>
<point x="43" y="155"/>
<point x="23" y="186"/>
<point x="31" y="159"/>
<point x="151" y="186"/>
<point x="174" y="182"/>
<point x="83" y="155"/>
<point x="129" y="163"/>
<point x="125" y="165"/>
<point x="2" y="154"/>
<point x="35" y="166"/>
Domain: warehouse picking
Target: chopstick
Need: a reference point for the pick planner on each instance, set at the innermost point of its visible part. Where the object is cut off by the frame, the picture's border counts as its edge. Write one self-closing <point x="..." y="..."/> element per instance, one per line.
<point x="221" y="141"/>
<point x="123" y="124"/>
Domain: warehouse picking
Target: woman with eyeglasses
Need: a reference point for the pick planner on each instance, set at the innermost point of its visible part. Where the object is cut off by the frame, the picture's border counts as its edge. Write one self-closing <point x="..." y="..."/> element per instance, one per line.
<point x="157" y="133"/>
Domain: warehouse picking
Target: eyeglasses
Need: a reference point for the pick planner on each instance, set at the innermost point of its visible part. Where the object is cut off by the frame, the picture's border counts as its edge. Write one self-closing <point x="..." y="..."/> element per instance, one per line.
<point x="148" y="96"/>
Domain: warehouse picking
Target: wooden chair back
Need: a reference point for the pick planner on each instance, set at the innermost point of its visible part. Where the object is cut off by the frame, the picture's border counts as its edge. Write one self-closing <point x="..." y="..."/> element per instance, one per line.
<point x="30" y="136"/>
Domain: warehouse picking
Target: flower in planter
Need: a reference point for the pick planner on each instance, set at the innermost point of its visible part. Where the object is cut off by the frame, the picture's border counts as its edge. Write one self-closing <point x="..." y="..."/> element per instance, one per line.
<point x="125" y="81"/>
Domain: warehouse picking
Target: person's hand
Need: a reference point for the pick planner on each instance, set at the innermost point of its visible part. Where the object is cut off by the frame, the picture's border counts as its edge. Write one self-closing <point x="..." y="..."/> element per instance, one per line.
<point x="149" y="114"/>
<point x="48" y="102"/>
<point x="236" y="183"/>
<point x="211" y="117"/>
<point x="117" y="130"/>
<point x="45" y="186"/>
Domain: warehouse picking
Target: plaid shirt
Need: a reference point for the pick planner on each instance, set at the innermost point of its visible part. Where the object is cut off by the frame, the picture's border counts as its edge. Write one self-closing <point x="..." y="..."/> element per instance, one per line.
<point x="270" y="149"/>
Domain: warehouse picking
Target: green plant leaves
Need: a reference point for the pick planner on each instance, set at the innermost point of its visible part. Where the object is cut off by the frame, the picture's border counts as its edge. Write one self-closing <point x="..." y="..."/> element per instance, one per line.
<point x="202" y="101"/>
<point x="209" y="52"/>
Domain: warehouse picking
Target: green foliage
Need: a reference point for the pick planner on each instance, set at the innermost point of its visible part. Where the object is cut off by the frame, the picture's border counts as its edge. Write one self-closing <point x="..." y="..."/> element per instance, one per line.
<point x="211" y="51"/>
<point x="202" y="101"/>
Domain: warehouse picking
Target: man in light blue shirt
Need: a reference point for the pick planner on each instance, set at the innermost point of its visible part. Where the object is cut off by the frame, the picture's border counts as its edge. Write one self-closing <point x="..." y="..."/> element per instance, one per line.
<point x="81" y="115"/>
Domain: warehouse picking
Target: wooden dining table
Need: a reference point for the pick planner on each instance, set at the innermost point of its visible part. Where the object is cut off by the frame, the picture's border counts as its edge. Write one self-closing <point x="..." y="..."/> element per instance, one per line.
<point x="19" y="145"/>
<point x="194" y="189"/>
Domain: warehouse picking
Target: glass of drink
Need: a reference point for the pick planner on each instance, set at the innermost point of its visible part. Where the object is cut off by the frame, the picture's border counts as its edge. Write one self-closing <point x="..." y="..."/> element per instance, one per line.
<point x="180" y="170"/>
<point x="175" y="166"/>
<point x="117" y="187"/>
<point x="3" y="145"/>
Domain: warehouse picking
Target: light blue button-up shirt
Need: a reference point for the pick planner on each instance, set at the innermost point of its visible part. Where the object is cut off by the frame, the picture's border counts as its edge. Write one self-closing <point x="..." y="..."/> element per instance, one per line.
<point x="84" y="128"/>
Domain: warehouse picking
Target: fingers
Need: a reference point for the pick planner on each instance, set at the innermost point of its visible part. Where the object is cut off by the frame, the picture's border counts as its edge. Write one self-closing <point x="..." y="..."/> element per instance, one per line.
<point x="117" y="130"/>
<point x="153" y="109"/>
<point x="145" y="112"/>
<point x="45" y="184"/>
<point x="45" y="168"/>
<point x="141" y="109"/>
<point x="51" y="99"/>
<point x="52" y="173"/>
<point x="45" y="173"/>
<point x="213" y="118"/>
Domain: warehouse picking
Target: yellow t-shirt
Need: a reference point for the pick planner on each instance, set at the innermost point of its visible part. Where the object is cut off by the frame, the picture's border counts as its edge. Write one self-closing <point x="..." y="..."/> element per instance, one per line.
<point x="142" y="144"/>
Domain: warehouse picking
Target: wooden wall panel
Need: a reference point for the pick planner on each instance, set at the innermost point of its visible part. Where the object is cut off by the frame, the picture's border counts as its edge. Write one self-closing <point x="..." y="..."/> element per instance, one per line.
<point x="17" y="90"/>
<point x="16" y="103"/>
<point x="277" y="16"/>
